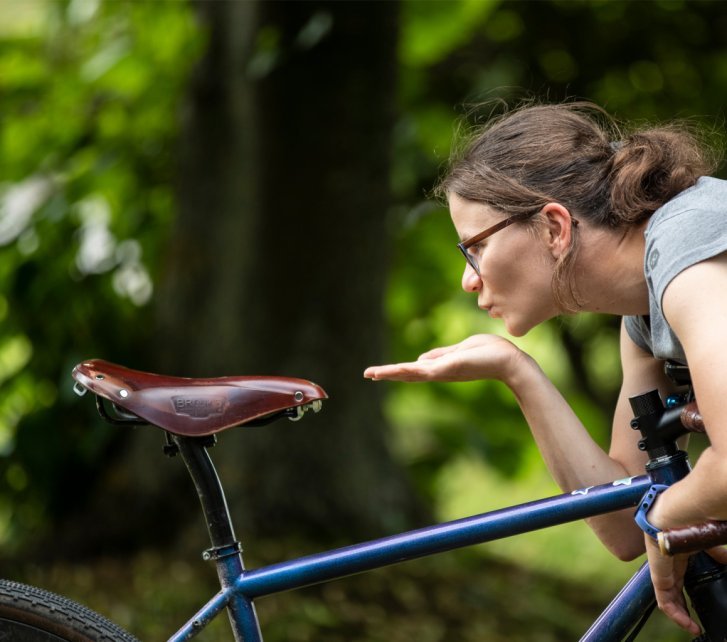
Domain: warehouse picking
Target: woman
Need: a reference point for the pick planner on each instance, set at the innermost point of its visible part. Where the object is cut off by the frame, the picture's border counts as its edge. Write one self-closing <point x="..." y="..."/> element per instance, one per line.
<point x="558" y="211"/>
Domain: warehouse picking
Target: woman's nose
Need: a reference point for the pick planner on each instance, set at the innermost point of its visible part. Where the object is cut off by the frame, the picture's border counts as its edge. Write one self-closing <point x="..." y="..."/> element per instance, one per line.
<point x="471" y="281"/>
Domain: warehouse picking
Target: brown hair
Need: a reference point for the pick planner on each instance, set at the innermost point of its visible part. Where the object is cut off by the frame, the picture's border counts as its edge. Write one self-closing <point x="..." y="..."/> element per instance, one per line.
<point x="575" y="154"/>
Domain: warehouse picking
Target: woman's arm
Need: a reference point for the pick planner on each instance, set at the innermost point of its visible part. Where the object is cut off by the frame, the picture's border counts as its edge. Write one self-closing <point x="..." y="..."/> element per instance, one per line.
<point x="696" y="307"/>
<point x="573" y="458"/>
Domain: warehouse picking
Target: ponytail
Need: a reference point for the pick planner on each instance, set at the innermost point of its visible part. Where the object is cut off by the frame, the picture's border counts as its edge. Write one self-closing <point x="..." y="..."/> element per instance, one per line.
<point x="652" y="166"/>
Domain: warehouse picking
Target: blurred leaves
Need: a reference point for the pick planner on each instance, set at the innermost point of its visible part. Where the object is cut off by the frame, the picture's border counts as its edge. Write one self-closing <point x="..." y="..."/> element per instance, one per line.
<point x="90" y="95"/>
<point x="433" y="30"/>
<point x="92" y="98"/>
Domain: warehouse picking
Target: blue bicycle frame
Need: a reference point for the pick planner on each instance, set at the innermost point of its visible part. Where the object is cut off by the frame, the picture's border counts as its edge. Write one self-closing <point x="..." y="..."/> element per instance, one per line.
<point x="240" y="587"/>
<point x="660" y="427"/>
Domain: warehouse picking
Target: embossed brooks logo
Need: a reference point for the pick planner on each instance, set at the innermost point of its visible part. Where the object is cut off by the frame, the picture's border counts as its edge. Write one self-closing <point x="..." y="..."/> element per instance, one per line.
<point x="199" y="407"/>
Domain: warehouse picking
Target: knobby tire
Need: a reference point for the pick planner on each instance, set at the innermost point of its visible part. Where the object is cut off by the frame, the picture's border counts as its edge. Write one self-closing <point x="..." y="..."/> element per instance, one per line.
<point x="30" y="614"/>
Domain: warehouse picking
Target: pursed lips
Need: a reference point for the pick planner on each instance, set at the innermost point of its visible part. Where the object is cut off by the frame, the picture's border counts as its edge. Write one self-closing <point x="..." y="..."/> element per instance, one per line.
<point x="488" y="309"/>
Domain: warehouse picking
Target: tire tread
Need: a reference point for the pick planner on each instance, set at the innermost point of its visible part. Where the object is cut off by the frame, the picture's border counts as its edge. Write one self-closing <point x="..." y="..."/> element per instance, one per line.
<point x="57" y="614"/>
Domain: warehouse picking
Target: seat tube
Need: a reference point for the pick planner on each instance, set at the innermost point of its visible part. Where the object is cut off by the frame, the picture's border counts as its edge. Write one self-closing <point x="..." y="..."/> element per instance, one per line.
<point x="241" y="610"/>
<point x="226" y="551"/>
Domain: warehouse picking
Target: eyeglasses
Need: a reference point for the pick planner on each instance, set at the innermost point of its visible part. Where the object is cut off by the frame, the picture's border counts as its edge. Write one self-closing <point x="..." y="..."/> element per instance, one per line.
<point x="473" y="258"/>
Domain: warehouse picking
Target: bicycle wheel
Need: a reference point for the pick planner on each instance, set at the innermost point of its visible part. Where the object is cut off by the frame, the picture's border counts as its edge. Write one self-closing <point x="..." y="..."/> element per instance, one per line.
<point x="30" y="614"/>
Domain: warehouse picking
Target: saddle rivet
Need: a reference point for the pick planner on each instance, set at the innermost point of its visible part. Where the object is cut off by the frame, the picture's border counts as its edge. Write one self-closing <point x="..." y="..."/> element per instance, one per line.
<point x="298" y="396"/>
<point x="100" y="377"/>
<point x="123" y="393"/>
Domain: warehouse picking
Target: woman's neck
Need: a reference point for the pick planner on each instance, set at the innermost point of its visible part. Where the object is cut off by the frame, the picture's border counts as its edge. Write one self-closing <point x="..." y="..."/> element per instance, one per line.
<point x="611" y="272"/>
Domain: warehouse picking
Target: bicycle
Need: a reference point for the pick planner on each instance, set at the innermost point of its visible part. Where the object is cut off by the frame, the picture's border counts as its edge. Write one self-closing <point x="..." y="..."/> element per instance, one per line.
<point x="193" y="411"/>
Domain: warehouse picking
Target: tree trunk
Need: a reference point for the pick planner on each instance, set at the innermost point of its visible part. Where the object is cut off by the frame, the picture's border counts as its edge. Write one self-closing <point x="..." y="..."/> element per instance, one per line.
<point x="279" y="258"/>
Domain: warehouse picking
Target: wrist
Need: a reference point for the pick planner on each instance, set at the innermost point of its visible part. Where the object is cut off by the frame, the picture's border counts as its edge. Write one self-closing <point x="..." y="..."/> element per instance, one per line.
<point x="521" y="372"/>
<point x="656" y="515"/>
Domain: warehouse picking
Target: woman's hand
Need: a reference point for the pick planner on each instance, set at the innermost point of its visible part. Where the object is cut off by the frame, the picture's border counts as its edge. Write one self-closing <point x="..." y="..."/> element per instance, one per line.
<point x="667" y="576"/>
<point x="482" y="356"/>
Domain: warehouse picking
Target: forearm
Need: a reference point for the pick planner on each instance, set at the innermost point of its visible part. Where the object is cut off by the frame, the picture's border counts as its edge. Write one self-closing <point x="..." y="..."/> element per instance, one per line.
<point x="573" y="458"/>
<point x="696" y="498"/>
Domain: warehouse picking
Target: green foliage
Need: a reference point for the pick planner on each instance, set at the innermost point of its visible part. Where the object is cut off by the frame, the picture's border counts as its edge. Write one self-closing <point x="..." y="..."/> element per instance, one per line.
<point x="91" y="97"/>
<point x="433" y="30"/>
<point x="91" y="103"/>
<point x="90" y="110"/>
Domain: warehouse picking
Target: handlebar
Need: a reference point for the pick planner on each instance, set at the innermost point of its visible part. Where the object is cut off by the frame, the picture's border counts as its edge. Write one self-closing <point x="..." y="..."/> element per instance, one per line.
<point x="691" y="418"/>
<point x="690" y="539"/>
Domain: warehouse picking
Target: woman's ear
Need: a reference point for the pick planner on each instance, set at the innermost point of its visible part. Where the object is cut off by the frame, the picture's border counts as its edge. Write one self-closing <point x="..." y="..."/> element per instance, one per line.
<point x="558" y="228"/>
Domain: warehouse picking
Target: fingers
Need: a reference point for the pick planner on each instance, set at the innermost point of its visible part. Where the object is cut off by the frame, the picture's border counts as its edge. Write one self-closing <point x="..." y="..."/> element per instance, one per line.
<point x="429" y="370"/>
<point x="477" y="357"/>
<point x="670" y="598"/>
<point x="667" y="576"/>
<point x="435" y="353"/>
<point x="420" y="370"/>
<point x="469" y="342"/>
<point x="680" y="618"/>
<point x="444" y="368"/>
<point x="676" y="611"/>
<point x="395" y="372"/>
<point x="407" y="371"/>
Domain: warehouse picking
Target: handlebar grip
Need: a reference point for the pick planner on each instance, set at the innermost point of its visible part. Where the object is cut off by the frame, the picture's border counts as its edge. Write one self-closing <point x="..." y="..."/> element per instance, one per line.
<point x="690" y="539"/>
<point x="691" y="418"/>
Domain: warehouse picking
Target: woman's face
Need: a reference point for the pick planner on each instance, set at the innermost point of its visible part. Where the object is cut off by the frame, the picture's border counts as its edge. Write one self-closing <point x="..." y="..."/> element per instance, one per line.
<point x="516" y="267"/>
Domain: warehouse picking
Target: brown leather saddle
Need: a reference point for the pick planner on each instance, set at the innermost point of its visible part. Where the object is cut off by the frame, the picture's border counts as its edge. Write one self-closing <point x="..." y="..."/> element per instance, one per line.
<point x="195" y="407"/>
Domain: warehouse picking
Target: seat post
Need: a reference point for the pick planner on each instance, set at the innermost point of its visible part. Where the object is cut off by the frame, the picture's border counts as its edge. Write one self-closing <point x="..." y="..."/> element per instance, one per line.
<point x="225" y="551"/>
<point x="193" y="451"/>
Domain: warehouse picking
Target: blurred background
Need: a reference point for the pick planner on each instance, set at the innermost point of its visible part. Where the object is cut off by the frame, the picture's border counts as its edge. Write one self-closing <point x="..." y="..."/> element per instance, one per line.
<point x="217" y="188"/>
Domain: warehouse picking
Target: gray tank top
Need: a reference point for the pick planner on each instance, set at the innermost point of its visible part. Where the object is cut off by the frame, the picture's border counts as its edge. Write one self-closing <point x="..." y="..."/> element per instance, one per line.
<point x="690" y="228"/>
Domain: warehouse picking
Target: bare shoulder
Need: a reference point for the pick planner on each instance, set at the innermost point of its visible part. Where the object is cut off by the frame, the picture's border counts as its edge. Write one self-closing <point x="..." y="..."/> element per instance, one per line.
<point x="695" y="305"/>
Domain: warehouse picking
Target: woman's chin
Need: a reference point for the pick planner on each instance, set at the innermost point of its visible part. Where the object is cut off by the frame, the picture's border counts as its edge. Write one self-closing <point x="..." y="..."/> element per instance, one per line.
<point x="515" y="328"/>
